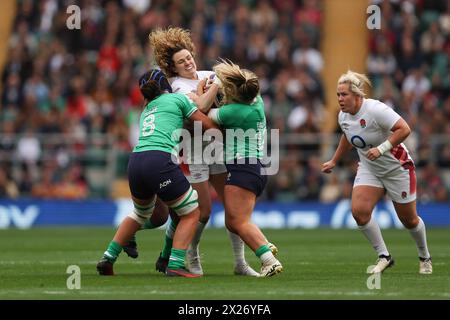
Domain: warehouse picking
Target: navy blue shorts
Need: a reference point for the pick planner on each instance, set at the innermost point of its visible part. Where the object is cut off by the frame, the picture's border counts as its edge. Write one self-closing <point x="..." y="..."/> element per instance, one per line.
<point x="248" y="176"/>
<point x="153" y="172"/>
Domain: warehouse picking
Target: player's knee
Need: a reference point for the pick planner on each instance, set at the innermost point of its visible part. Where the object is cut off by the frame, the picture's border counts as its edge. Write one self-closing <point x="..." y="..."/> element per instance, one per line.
<point x="141" y="213"/>
<point x="361" y="214"/>
<point x="361" y="209"/>
<point x="232" y="224"/>
<point x="231" y="228"/>
<point x="205" y="206"/>
<point x="410" y="222"/>
<point x="160" y="214"/>
<point x="205" y="209"/>
<point x="187" y="204"/>
<point x="158" y="220"/>
<point x="361" y="220"/>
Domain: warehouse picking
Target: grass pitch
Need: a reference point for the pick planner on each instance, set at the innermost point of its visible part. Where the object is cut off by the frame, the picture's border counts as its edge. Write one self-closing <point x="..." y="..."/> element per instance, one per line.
<point x="318" y="264"/>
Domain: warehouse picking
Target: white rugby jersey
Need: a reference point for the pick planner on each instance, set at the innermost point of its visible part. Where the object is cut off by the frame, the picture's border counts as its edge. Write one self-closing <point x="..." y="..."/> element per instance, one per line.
<point x="370" y="127"/>
<point x="185" y="86"/>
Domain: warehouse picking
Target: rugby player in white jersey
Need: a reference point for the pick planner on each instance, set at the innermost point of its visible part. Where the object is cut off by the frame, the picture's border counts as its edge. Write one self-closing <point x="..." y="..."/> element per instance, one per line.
<point x="377" y="132"/>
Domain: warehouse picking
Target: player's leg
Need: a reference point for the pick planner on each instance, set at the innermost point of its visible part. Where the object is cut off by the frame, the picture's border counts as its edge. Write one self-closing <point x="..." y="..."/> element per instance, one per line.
<point x="241" y="266"/>
<point x="367" y="191"/>
<point x="239" y="204"/>
<point x="364" y="199"/>
<point x="163" y="259"/>
<point x="198" y="178"/>
<point x="142" y="211"/>
<point x="186" y="207"/>
<point x="204" y="202"/>
<point x="408" y="216"/>
<point x="158" y="218"/>
<point x="401" y="187"/>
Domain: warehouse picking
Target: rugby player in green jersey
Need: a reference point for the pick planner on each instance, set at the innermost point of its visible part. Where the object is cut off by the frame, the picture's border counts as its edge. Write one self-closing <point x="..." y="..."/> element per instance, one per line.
<point x="160" y="124"/>
<point x="242" y="116"/>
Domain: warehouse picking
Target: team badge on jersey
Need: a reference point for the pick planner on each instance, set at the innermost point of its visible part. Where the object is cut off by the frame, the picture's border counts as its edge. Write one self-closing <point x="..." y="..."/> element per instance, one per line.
<point x="362" y="122"/>
<point x="404" y="194"/>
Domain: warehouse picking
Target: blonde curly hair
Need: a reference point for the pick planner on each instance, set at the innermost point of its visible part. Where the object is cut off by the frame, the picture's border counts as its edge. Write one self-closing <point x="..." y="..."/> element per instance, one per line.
<point x="166" y="42"/>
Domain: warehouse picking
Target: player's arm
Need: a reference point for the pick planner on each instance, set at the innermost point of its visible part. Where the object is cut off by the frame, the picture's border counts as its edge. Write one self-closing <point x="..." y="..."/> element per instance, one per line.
<point x="400" y="131"/>
<point x="204" y="99"/>
<point x="343" y="147"/>
<point x="206" y="122"/>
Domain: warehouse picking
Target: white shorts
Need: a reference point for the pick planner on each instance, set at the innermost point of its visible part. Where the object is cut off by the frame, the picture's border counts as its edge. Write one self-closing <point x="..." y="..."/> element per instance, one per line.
<point x="201" y="172"/>
<point x="400" y="184"/>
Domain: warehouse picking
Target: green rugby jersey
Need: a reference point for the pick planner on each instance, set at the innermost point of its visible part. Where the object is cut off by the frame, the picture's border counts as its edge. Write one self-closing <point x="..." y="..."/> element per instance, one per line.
<point x="245" y="129"/>
<point x="160" y="121"/>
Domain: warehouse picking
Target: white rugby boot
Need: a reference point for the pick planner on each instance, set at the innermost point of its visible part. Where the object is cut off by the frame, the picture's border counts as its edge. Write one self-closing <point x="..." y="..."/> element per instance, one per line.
<point x="245" y="270"/>
<point x="383" y="262"/>
<point x="425" y="266"/>
<point x="193" y="261"/>
<point x="271" y="269"/>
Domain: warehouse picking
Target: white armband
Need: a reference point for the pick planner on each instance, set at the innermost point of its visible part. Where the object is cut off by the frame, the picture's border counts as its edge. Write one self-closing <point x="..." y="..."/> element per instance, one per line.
<point x="213" y="114"/>
<point x="385" y="146"/>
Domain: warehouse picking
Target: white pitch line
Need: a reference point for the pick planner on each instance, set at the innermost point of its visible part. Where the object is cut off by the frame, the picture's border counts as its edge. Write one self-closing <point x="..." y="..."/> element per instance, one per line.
<point x="167" y="293"/>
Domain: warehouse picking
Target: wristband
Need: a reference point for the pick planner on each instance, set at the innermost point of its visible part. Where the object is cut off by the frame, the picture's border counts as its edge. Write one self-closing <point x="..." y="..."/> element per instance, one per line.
<point x="385" y="146"/>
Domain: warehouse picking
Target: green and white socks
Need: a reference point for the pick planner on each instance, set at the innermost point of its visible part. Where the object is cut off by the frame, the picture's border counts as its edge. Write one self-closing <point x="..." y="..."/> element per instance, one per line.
<point x="168" y="241"/>
<point x="113" y="251"/>
<point x="265" y="254"/>
<point x="177" y="258"/>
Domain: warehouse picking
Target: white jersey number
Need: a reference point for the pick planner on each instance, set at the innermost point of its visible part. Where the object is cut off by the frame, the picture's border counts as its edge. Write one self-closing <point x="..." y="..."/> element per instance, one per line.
<point x="148" y="124"/>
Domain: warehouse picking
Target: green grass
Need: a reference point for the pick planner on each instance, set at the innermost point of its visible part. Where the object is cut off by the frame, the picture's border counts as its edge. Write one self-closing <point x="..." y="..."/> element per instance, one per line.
<point x="318" y="264"/>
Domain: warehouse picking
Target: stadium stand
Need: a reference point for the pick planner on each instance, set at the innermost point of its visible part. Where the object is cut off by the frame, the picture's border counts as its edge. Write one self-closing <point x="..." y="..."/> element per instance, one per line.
<point x="70" y="101"/>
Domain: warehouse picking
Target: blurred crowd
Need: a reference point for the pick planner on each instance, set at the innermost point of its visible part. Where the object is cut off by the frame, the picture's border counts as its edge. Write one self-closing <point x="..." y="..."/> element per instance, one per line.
<point x="78" y="83"/>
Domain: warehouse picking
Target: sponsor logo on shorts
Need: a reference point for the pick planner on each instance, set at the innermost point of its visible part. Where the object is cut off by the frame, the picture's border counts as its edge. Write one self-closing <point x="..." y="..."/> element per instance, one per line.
<point x="197" y="175"/>
<point x="165" y="184"/>
<point x="404" y="195"/>
<point x="229" y="176"/>
<point x="362" y="122"/>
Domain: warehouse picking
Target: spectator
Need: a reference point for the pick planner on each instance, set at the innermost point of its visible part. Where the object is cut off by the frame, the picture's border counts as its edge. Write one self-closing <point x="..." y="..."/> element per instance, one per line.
<point x="331" y="191"/>
<point x="8" y="188"/>
<point x="77" y="83"/>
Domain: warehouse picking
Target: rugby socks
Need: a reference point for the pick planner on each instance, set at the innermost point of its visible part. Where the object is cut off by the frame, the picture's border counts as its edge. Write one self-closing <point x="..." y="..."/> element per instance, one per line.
<point x="238" y="248"/>
<point x="113" y="251"/>
<point x="176" y="260"/>
<point x="265" y="254"/>
<point x="419" y="235"/>
<point x="373" y="233"/>
<point x="170" y="232"/>
<point x="198" y="234"/>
